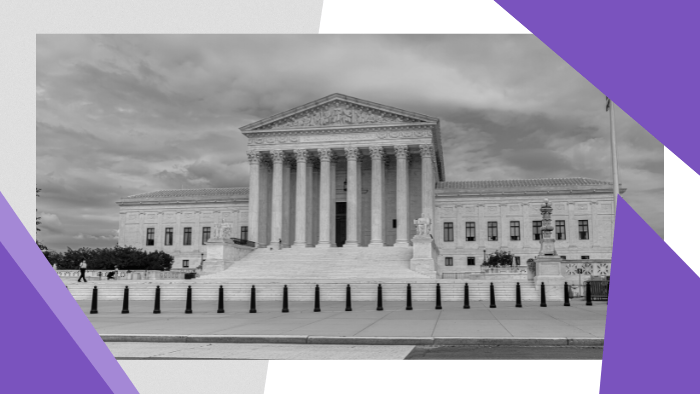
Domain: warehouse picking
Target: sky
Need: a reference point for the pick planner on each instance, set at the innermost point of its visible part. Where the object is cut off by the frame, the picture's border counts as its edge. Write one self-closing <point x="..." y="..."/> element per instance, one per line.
<point x="119" y="115"/>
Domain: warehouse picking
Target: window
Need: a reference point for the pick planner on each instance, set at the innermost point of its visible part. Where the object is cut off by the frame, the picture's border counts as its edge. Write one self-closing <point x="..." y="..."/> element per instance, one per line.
<point x="583" y="229"/>
<point x="517" y="260"/>
<point x="561" y="229"/>
<point x="187" y="236"/>
<point x="563" y="257"/>
<point x="244" y="233"/>
<point x="536" y="229"/>
<point x="150" y="236"/>
<point x="206" y="233"/>
<point x="515" y="231"/>
<point x="185" y="263"/>
<point x="449" y="235"/>
<point x="585" y="257"/>
<point x="471" y="261"/>
<point x="168" y="235"/>
<point x="493" y="231"/>
<point x="471" y="231"/>
<point x="449" y="261"/>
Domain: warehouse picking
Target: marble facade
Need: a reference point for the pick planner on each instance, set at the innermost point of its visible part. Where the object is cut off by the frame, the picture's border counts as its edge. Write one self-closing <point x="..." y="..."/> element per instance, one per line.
<point x="345" y="172"/>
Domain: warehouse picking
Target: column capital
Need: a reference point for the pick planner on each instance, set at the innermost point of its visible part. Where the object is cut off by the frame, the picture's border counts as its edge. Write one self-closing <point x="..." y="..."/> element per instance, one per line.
<point x="301" y="155"/>
<point x="325" y="154"/>
<point x="289" y="160"/>
<point x="376" y="152"/>
<point x="352" y="153"/>
<point x="277" y="156"/>
<point x="254" y="156"/>
<point x="426" y="151"/>
<point x="401" y="151"/>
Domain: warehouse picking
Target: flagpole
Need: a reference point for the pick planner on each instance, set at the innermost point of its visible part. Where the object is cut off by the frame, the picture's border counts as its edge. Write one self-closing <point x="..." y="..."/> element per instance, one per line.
<point x="613" y="147"/>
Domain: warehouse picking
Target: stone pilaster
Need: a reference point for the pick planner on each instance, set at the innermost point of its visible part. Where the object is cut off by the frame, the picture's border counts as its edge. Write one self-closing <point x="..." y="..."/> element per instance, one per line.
<point x="277" y="198"/>
<point x="401" y="195"/>
<point x="301" y="189"/>
<point x="428" y="181"/>
<point x="351" y="154"/>
<point x="377" y="154"/>
<point x="324" y="229"/>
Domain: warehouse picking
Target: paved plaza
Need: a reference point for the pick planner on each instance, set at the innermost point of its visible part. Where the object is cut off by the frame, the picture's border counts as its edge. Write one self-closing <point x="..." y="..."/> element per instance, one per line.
<point x="505" y="321"/>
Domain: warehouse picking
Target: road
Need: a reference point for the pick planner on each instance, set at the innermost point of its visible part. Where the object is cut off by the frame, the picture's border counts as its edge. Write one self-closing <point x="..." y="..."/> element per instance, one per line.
<point x="242" y="351"/>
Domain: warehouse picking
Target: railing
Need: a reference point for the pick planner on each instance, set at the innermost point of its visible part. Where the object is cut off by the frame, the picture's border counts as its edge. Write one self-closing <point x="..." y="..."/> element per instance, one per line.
<point x="599" y="289"/>
<point x="516" y="269"/>
<point x="243" y="242"/>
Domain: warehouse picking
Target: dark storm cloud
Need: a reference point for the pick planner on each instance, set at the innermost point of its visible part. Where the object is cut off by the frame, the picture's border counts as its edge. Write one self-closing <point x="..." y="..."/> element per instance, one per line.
<point x="119" y="115"/>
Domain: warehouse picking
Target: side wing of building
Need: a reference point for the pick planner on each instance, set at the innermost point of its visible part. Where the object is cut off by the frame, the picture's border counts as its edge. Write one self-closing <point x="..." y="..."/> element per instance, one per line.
<point x="179" y="222"/>
<point x="476" y="218"/>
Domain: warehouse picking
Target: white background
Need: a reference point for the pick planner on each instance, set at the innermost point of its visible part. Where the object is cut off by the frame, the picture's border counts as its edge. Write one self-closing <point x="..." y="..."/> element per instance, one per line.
<point x="20" y="22"/>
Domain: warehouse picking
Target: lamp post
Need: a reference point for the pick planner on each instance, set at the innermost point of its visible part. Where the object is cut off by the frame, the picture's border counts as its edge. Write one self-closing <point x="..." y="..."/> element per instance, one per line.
<point x="484" y="255"/>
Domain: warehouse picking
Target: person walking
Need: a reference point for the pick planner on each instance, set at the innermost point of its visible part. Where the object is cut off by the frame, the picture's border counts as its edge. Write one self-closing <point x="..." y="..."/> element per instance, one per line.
<point x="83" y="267"/>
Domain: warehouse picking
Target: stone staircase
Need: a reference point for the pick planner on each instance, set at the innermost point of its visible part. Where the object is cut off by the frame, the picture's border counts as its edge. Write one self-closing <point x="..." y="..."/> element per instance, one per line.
<point x="323" y="263"/>
<point x="303" y="290"/>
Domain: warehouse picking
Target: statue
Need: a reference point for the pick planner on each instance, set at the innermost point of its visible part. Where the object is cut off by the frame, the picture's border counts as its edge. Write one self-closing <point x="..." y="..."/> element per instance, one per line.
<point x="423" y="226"/>
<point x="546" y="238"/>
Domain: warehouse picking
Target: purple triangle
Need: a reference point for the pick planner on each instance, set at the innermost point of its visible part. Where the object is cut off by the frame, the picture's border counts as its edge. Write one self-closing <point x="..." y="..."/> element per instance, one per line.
<point x="642" y="54"/>
<point x="651" y="333"/>
<point x="49" y="345"/>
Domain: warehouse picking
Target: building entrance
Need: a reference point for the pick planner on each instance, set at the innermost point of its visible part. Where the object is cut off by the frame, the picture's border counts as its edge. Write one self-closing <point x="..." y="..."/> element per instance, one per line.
<point x="340" y="223"/>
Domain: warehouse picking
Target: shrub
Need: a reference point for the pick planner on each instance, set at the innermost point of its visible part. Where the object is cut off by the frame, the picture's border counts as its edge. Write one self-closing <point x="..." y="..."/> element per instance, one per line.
<point x="126" y="258"/>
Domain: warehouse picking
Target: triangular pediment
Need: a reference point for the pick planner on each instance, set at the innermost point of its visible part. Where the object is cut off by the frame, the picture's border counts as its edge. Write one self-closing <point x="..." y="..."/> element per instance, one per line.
<point x="338" y="110"/>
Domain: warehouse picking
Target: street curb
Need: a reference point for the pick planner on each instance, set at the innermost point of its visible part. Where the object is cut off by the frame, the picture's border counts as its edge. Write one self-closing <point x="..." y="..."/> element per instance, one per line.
<point x="332" y="340"/>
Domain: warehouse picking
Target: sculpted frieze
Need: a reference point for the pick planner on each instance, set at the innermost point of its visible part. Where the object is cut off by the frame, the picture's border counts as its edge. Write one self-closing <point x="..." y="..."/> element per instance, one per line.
<point x="337" y="113"/>
<point x="327" y="136"/>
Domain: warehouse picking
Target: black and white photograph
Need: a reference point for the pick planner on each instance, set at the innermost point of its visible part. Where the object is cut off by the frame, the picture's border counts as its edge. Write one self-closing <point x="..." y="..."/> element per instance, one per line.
<point x="334" y="197"/>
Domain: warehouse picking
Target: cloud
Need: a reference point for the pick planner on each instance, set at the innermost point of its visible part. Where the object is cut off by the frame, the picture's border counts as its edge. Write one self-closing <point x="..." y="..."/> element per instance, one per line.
<point x="120" y="115"/>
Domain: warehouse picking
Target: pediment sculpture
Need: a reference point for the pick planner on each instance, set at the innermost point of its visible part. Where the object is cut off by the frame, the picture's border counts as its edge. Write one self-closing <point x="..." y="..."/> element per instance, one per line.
<point x="337" y="113"/>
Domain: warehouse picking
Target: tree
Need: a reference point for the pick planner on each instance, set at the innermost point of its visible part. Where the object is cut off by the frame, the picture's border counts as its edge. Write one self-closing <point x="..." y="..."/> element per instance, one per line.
<point x="500" y="257"/>
<point x="38" y="222"/>
<point x="126" y="258"/>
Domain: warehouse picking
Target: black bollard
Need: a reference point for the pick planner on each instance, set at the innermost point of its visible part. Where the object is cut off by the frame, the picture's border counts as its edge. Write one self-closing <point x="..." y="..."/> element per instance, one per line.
<point x="466" y="296"/>
<point x="566" y="294"/>
<point x="493" y="297"/>
<point x="252" y="300"/>
<point x="409" y="301"/>
<point x="285" y="300"/>
<point x="317" y="299"/>
<point x="543" y="299"/>
<point x="188" y="304"/>
<point x="221" y="300"/>
<point x="93" y="308"/>
<point x="156" y="307"/>
<point x="380" y="307"/>
<point x="125" y="305"/>
<point x="518" y="301"/>
<point x="348" y="300"/>
<point x="588" y="294"/>
<point x="438" y="297"/>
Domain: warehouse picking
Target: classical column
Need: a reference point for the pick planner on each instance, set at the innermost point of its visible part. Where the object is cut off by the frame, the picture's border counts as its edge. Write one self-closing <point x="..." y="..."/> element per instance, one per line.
<point x="277" y="186"/>
<point x="253" y="195"/>
<point x="301" y="188"/>
<point x="333" y="180"/>
<point x="377" y="154"/>
<point x="428" y="181"/>
<point x="358" y="211"/>
<point x="401" y="195"/>
<point x="309" y="200"/>
<point x="324" y="223"/>
<point x="286" y="201"/>
<point x="351" y="155"/>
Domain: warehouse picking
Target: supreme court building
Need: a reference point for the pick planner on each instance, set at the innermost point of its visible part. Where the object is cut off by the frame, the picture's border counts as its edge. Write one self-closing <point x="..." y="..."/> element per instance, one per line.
<point x="346" y="173"/>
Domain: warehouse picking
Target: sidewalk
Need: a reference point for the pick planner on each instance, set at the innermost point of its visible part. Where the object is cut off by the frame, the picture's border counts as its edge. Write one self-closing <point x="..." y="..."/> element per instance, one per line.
<point x="554" y="325"/>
